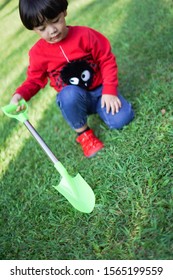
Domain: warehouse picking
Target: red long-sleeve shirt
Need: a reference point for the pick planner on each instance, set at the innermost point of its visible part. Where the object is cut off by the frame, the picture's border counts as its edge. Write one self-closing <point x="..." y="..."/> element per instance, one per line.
<point x="46" y="61"/>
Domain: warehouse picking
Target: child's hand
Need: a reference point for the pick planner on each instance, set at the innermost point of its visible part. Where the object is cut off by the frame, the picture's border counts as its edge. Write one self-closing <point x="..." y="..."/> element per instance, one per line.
<point x="15" y="100"/>
<point x="111" y="102"/>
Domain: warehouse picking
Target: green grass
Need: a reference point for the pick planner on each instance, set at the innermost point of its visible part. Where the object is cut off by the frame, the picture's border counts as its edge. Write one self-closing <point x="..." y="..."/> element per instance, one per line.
<point x="131" y="178"/>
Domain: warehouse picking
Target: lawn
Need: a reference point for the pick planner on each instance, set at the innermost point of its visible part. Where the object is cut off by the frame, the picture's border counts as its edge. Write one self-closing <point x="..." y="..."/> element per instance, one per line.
<point x="131" y="178"/>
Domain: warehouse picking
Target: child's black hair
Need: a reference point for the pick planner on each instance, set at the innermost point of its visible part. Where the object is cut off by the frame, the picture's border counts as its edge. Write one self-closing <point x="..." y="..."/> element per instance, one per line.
<point x="34" y="12"/>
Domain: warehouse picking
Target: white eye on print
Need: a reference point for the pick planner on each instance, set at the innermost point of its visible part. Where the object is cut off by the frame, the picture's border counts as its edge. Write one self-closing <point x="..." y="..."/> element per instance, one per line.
<point x="74" y="81"/>
<point x="85" y="76"/>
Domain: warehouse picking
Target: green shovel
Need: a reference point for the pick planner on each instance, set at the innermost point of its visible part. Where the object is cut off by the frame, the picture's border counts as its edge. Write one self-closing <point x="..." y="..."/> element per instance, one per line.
<point x="75" y="190"/>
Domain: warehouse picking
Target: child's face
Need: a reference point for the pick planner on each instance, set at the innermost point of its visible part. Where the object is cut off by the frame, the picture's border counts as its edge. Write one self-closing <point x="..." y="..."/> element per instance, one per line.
<point x="53" y="31"/>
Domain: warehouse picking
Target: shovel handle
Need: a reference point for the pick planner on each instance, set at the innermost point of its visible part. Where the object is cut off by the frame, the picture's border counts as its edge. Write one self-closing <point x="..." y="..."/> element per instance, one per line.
<point x="10" y="111"/>
<point x="42" y="143"/>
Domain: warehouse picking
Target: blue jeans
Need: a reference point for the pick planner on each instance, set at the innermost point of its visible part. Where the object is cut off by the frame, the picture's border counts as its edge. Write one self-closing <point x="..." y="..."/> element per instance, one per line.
<point x="76" y="104"/>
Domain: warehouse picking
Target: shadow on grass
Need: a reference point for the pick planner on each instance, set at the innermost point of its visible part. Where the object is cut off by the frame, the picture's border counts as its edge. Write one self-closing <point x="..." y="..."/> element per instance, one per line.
<point x="3" y="4"/>
<point x="37" y="223"/>
<point x="8" y="126"/>
<point x="144" y="41"/>
<point x="7" y="67"/>
<point x="16" y="54"/>
<point x="9" y="13"/>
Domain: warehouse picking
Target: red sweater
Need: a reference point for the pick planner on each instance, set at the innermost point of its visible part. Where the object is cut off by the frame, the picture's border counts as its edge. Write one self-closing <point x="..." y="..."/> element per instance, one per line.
<point x="57" y="62"/>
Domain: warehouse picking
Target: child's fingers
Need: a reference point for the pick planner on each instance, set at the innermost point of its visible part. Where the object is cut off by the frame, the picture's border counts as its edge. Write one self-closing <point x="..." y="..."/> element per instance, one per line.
<point x="119" y="103"/>
<point x="108" y="107"/>
<point x="20" y="108"/>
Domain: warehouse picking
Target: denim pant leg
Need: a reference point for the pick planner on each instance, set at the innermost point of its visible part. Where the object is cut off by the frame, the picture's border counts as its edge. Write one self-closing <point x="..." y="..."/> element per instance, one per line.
<point x="118" y="120"/>
<point x="76" y="104"/>
<point x="73" y="103"/>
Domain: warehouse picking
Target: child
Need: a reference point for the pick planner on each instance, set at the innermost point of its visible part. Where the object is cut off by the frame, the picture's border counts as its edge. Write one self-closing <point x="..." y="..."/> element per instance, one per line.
<point x="80" y="66"/>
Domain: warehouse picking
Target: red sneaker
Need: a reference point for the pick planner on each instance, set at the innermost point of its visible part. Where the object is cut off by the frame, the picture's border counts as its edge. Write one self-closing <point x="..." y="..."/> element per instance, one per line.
<point x="90" y="143"/>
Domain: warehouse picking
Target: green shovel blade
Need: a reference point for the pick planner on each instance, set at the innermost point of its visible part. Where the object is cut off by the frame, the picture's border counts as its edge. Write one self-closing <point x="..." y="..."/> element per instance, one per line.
<point x="75" y="190"/>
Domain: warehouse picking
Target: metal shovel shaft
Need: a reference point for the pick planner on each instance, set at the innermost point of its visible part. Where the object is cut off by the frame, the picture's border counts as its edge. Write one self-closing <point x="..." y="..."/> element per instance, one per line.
<point x="41" y="142"/>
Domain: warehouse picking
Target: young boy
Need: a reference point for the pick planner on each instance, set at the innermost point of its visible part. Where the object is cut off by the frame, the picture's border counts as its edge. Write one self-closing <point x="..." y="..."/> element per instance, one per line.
<point x="80" y="66"/>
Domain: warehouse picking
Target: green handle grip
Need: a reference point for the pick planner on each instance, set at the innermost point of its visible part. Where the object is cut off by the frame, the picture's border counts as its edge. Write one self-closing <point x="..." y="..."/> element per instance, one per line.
<point x="10" y="111"/>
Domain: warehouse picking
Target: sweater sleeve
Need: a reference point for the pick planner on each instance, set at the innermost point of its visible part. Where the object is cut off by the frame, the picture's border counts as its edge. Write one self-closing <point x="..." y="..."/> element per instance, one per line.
<point x="36" y="76"/>
<point x="102" y="53"/>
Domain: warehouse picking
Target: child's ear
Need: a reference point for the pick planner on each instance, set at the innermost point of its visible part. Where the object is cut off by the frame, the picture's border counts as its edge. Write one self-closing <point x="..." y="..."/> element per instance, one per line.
<point x="65" y="13"/>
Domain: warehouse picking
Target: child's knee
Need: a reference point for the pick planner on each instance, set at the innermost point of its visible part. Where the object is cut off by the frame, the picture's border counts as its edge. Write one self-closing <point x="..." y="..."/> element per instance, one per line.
<point x="122" y="118"/>
<point x="69" y="94"/>
<point x="66" y="91"/>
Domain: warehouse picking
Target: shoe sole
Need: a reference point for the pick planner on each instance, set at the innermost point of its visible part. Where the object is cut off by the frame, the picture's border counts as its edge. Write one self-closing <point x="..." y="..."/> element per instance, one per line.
<point x="92" y="155"/>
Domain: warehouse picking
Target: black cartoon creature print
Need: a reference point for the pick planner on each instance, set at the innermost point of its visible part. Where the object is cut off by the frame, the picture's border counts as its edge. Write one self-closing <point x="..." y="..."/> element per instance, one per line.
<point x="79" y="73"/>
